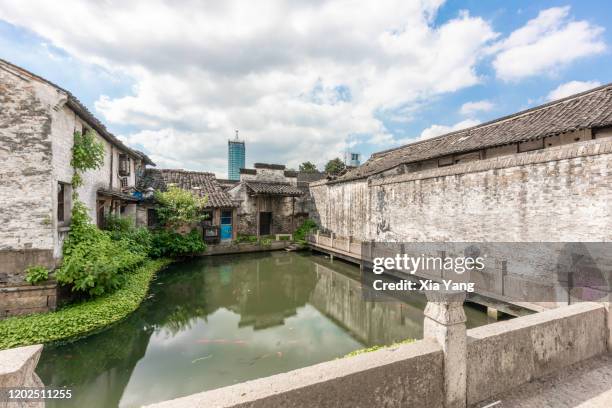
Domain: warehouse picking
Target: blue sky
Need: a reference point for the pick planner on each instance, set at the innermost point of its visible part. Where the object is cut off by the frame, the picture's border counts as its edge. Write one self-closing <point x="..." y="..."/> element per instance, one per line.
<point x="305" y="82"/>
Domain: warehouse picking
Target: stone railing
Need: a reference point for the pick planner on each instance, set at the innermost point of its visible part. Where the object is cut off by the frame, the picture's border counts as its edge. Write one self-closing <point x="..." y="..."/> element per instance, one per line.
<point x="451" y="367"/>
<point x="344" y="245"/>
<point x="17" y="371"/>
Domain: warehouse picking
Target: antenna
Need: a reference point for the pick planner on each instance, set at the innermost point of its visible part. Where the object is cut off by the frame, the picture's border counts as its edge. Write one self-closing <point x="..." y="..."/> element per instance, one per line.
<point x="236" y="134"/>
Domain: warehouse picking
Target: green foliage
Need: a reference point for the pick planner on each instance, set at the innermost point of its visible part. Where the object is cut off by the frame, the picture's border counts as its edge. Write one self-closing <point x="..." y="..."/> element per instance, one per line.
<point x="308" y="167"/>
<point x="303" y="230"/>
<point x="170" y="243"/>
<point x="117" y="223"/>
<point x="81" y="319"/>
<point x="36" y="273"/>
<point x="177" y="207"/>
<point x="265" y="242"/>
<point x="335" y="166"/>
<point x="246" y="238"/>
<point x="374" y="348"/>
<point x="96" y="261"/>
<point x="122" y="229"/>
<point x="87" y="154"/>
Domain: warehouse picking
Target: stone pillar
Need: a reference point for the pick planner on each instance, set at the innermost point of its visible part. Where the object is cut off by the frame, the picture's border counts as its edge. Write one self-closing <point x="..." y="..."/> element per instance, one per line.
<point x="445" y="322"/>
<point x="317" y="237"/>
<point x="17" y="367"/>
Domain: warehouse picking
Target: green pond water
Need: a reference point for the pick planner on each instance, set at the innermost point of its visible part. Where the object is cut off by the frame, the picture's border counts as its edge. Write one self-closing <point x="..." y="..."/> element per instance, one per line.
<point x="217" y="321"/>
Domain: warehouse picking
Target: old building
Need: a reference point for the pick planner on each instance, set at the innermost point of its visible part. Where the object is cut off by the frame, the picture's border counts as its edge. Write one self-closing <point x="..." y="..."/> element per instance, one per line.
<point x="543" y="174"/>
<point x="221" y="210"/>
<point x="268" y="196"/>
<point x="37" y="124"/>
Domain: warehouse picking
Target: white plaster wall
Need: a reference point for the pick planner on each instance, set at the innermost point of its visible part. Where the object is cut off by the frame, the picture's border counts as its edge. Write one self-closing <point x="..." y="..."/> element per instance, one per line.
<point x="559" y="194"/>
<point x="26" y="184"/>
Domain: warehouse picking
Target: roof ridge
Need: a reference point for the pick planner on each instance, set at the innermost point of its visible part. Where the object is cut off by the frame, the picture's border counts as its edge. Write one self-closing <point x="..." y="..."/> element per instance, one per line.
<point x="89" y="117"/>
<point x="500" y="119"/>
<point x="208" y="173"/>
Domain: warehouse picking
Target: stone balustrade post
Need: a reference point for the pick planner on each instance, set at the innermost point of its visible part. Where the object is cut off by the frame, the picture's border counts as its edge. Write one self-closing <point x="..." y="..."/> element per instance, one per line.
<point x="445" y="322"/>
<point x="317" y="237"/>
<point x="348" y="243"/>
<point x="331" y="239"/>
<point x="17" y="367"/>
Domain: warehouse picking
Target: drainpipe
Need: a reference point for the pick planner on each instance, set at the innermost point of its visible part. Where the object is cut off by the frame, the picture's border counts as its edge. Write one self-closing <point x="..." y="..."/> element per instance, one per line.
<point x="445" y="322"/>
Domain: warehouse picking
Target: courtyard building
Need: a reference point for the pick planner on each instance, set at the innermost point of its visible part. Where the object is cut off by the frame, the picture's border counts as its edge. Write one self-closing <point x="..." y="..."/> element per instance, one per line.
<point x="221" y="211"/>
<point x="269" y="200"/>
<point x="38" y="120"/>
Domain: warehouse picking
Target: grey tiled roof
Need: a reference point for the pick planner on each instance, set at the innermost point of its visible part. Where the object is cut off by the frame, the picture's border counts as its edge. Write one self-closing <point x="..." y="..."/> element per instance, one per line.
<point x="81" y="110"/>
<point x="205" y="184"/>
<point x="590" y="109"/>
<point x="270" y="188"/>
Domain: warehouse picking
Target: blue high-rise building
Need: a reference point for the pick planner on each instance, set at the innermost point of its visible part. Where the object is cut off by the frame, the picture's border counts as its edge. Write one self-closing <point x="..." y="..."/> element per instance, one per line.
<point x="235" y="158"/>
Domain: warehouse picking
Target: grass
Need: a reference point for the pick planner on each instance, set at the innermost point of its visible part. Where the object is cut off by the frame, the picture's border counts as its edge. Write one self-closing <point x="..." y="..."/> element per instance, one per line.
<point x="81" y="319"/>
<point x="374" y="348"/>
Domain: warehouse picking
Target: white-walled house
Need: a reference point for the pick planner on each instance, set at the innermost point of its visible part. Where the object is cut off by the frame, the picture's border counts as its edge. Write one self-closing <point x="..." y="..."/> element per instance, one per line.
<point x="37" y="124"/>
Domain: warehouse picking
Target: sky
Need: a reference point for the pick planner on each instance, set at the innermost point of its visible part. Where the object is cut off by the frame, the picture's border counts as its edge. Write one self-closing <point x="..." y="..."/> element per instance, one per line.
<point x="305" y="81"/>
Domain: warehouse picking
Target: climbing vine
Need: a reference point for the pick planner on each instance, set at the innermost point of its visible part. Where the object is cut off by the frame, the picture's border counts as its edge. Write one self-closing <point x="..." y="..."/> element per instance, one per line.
<point x="87" y="154"/>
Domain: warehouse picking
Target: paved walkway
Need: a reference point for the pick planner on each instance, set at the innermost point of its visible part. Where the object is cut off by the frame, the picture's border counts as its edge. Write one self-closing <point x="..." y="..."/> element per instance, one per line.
<point x="584" y="385"/>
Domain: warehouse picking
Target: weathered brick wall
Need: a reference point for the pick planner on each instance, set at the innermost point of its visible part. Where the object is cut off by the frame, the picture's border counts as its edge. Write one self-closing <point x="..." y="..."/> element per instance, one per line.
<point x="26" y="205"/>
<point x="342" y="208"/>
<point x="562" y="193"/>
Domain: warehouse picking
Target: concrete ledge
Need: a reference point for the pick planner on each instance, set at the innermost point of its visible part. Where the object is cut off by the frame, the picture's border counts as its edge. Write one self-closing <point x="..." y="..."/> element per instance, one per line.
<point x="22" y="300"/>
<point x="242" y="248"/>
<point x="17" y="367"/>
<point x="506" y="354"/>
<point x="410" y="375"/>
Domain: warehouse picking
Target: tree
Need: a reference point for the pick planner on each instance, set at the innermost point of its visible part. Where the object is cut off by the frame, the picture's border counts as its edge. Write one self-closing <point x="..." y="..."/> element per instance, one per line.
<point x="334" y="166"/>
<point x="308" y="167"/>
<point x="177" y="207"/>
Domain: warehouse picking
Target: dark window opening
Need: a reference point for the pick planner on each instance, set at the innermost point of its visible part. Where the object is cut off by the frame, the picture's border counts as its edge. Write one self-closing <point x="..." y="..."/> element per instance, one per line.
<point x="124" y="165"/>
<point x="61" y="202"/>
<point x="151" y="217"/>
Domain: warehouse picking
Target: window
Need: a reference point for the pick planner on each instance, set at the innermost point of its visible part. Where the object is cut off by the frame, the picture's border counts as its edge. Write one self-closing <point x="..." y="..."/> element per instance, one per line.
<point x="61" y="202"/>
<point x="208" y="218"/>
<point x="124" y="165"/>
<point x="151" y="218"/>
<point x="354" y="156"/>
<point x="124" y="182"/>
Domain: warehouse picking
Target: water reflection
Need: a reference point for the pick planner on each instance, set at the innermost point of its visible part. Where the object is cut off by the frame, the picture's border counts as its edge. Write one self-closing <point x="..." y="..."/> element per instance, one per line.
<point x="221" y="320"/>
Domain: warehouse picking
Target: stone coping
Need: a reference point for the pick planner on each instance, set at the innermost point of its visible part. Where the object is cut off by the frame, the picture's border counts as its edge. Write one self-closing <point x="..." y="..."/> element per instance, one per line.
<point x="304" y="386"/>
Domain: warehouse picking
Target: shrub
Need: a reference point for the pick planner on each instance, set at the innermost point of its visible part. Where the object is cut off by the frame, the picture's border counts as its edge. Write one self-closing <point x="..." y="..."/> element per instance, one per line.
<point x="303" y="230"/>
<point x="138" y="239"/>
<point x="246" y="238"/>
<point x="36" y="273"/>
<point x="177" y="207"/>
<point x="93" y="262"/>
<point x="81" y="319"/>
<point x="169" y="243"/>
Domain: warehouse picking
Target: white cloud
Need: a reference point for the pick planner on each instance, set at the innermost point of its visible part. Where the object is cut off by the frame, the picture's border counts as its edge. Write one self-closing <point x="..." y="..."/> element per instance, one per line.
<point x="437" y="130"/>
<point x="469" y="108"/>
<point x="545" y="43"/>
<point x="297" y="78"/>
<point x="571" y="88"/>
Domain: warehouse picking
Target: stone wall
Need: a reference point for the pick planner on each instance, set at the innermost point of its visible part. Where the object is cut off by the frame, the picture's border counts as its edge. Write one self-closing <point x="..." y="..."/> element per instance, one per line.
<point x="404" y="376"/>
<point x="507" y="354"/>
<point x="26" y="187"/>
<point x="27" y="299"/>
<point x="507" y="198"/>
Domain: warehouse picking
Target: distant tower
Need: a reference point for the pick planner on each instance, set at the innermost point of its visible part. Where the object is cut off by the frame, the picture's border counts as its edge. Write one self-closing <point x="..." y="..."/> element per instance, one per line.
<point x="352" y="159"/>
<point x="235" y="157"/>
